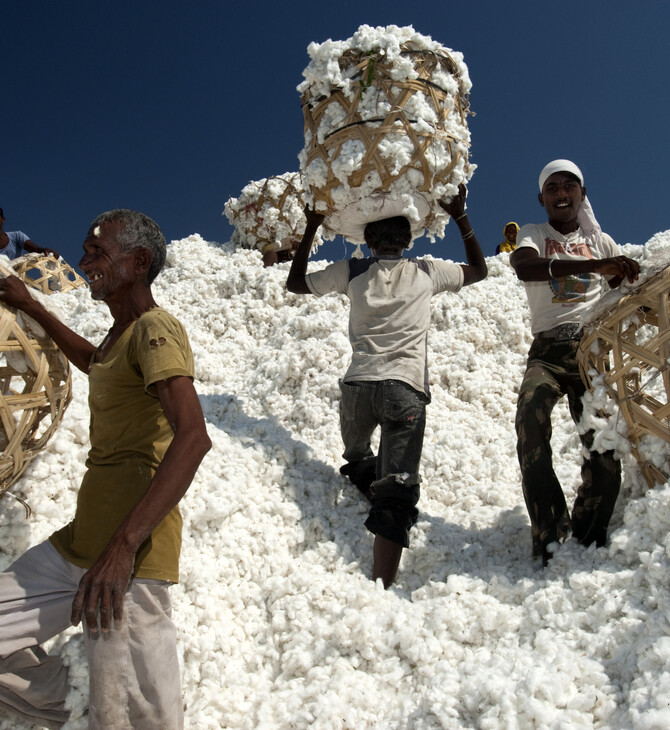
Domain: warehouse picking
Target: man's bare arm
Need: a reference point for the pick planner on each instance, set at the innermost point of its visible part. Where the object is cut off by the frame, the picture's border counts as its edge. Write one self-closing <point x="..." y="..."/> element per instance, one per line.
<point x="529" y="266"/>
<point x="103" y="586"/>
<point x="476" y="268"/>
<point x="77" y="349"/>
<point x="32" y="247"/>
<point x="296" y="282"/>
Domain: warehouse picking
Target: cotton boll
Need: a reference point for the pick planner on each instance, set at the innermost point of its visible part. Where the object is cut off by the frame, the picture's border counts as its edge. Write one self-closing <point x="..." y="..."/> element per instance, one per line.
<point x="396" y="150"/>
<point x="269" y="213"/>
<point x="278" y="620"/>
<point x="401" y="154"/>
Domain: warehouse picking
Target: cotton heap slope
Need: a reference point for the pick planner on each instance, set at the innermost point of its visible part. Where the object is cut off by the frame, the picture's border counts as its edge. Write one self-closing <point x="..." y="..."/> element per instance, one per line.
<point x="279" y="623"/>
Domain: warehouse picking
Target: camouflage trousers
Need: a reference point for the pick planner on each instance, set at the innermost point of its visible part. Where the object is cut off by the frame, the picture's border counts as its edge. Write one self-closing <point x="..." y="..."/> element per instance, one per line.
<point x="551" y="373"/>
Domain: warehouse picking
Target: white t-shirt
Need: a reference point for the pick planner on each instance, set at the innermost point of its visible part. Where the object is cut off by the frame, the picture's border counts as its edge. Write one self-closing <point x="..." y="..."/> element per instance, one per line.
<point x="564" y="300"/>
<point x="390" y="312"/>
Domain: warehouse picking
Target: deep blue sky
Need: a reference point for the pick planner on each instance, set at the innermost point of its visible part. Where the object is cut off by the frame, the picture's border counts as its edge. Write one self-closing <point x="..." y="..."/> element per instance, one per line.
<point x="171" y="107"/>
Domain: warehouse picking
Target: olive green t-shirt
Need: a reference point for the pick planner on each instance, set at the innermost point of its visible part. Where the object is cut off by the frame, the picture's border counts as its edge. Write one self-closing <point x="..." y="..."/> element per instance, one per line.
<point x="129" y="437"/>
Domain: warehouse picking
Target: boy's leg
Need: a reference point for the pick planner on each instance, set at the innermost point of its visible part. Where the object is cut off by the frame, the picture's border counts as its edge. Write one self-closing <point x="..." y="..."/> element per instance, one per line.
<point x="601" y="481"/>
<point x="357" y="424"/>
<point x="36" y="594"/>
<point x="386" y="556"/>
<point x="538" y="394"/>
<point x="135" y="681"/>
<point x="402" y="414"/>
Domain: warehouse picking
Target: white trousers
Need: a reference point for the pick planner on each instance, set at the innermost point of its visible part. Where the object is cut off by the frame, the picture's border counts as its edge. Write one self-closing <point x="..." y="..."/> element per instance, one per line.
<point x="134" y="678"/>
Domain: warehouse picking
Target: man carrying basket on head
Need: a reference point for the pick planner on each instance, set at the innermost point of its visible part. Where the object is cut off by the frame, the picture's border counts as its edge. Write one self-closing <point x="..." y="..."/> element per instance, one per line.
<point x="562" y="264"/>
<point x="386" y="384"/>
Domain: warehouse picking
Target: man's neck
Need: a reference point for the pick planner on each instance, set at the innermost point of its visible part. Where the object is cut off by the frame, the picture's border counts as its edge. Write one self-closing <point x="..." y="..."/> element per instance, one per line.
<point x="131" y="307"/>
<point x="387" y="252"/>
<point x="565" y="227"/>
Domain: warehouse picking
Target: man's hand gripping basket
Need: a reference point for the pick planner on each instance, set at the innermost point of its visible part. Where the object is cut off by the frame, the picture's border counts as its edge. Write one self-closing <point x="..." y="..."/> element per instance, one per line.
<point x="630" y="347"/>
<point x="35" y="387"/>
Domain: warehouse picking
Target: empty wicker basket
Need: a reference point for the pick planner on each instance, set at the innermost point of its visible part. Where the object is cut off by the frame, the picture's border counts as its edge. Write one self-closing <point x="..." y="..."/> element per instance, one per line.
<point x="630" y="346"/>
<point x="46" y="273"/>
<point x="34" y="391"/>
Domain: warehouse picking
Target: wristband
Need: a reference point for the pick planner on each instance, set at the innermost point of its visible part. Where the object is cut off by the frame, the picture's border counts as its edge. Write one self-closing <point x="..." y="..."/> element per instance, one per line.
<point x="460" y="217"/>
<point x="468" y="235"/>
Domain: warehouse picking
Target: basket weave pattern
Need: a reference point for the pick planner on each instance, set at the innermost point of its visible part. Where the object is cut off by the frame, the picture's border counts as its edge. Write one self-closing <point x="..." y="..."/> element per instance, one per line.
<point x="630" y="347"/>
<point x="393" y="95"/>
<point x="35" y="389"/>
<point x="268" y="215"/>
<point x="46" y="273"/>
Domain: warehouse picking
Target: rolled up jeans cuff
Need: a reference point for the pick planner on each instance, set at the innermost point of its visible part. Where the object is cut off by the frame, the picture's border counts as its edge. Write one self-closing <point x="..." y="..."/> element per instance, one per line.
<point x="394" y="512"/>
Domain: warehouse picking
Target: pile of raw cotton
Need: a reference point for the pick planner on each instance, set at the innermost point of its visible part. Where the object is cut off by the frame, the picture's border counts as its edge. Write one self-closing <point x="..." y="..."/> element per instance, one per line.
<point x="385" y="129"/>
<point x="269" y="214"/>
<point x="279" y="624"/>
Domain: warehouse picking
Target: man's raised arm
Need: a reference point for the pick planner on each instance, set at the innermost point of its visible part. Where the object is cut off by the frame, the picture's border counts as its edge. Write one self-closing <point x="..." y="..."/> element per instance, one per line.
<point x="77" y="349"/>
<point x="476" y="269"/>
<point x="296" y="276"/>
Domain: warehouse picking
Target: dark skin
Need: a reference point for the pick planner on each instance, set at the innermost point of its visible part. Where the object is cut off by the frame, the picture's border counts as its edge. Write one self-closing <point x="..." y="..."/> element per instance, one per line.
<point x="386" y="554"/>
<point x="28" y="245"/>
<point x="561" y="196"/>
<point x="510" y="234"/>
<point x="475" y="270"/>
<point x="120" y="279"/>
<point x="270" y="258"/>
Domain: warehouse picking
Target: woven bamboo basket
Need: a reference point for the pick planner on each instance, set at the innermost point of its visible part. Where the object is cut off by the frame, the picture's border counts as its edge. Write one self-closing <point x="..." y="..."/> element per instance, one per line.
<point x="377" y="129"/>
<point x="46" y="273"/>
<point x="35" y="390"/>
<point x="269" y="214"/>
<point x="630" y="346"/>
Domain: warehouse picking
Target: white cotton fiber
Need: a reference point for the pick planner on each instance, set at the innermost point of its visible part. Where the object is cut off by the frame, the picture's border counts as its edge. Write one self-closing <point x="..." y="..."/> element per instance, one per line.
<point x="339" y="99"/>
<point x="269" y="214"/>
<point x="279" y="624"/>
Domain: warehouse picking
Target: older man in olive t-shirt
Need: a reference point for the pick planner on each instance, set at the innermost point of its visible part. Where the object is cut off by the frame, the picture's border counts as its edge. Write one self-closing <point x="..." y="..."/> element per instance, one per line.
<point x="113" y="564"/>
<point x="129" y="437"/>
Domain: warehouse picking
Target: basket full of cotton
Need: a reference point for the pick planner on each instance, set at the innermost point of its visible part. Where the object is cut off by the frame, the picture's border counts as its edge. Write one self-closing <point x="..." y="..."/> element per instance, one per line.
<point x="269" y="214"/>
<point x="385" y="117"/>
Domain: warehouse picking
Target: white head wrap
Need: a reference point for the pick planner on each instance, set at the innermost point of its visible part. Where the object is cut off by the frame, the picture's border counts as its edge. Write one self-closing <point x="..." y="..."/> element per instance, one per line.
<point x="585" y="215"/>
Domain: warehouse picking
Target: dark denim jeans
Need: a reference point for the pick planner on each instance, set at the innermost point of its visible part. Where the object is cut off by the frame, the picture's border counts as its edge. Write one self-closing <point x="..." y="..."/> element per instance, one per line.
<point x="400" y="412"/>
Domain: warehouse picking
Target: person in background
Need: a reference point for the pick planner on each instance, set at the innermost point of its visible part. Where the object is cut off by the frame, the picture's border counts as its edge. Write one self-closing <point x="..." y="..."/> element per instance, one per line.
<point x="386" y="384"/>
<point x="15" y="243"/>
<point x="114" y="563"/>
<point x="270" y="258"/>
<point x="563" y="264"/>
<point x="509" y="244"/>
